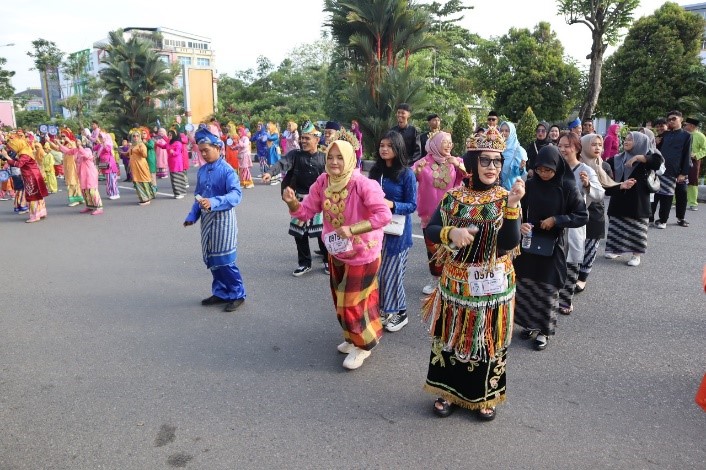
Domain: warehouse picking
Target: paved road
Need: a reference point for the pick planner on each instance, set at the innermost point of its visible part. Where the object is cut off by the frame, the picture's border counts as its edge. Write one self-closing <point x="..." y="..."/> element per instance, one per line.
<point x="108" y="361"/>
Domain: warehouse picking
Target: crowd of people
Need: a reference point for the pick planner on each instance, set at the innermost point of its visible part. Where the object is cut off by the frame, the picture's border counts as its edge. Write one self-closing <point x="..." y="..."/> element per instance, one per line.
<point x="511" y="232"/>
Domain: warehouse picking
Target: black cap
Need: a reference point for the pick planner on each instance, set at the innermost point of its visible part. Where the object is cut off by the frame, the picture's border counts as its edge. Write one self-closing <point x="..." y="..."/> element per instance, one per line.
<point x="692" y="121"/>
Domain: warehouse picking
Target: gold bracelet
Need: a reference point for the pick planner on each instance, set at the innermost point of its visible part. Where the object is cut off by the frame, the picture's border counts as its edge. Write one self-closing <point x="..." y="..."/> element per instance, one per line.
<point x="512" y="213"/>
<point x="293" y="205"/>
<point x="364" y="226"/>
<point x="445" y="234"/>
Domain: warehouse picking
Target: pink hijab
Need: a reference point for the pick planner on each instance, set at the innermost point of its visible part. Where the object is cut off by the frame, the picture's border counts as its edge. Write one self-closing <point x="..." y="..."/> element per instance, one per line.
<point x="434" y="148"/>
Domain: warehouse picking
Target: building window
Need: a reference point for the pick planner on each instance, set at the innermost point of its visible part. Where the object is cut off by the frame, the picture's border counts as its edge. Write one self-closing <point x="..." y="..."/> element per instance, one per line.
<point x="164" y="58"/>
<point x="203" y="61"/>
<point x="184" y="60"/>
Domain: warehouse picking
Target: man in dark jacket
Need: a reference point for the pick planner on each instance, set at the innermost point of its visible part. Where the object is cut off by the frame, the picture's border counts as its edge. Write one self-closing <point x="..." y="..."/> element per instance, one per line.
<point x="434" y="127"/>
<point x="675" y="146"/>
<point x="303" y="166"/>
<point x="410" y="134"/>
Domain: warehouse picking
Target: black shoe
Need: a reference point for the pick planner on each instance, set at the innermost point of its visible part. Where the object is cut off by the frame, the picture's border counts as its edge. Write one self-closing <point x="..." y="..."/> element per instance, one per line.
<point x="301" y="270"/>
<point x="682" y="223"/>
<point x="540" y="342"/>
<point x="528" y="334"/>
<point x="326" y="269"/>
<point x="487" y="416"/>
<point x="213" y="300"/>
<point x="233" y="306"/>
<point x="396" y="322"/>
<point x="446" y="408"/>
<point x="318" y="252"/>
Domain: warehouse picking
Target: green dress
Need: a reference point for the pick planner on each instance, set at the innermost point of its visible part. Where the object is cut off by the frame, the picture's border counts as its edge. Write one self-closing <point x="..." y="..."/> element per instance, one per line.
<point x="151" y="156"/>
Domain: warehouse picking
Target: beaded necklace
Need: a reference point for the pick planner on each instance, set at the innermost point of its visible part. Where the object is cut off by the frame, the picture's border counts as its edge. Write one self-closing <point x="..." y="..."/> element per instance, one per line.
<point x="334" y="205"/>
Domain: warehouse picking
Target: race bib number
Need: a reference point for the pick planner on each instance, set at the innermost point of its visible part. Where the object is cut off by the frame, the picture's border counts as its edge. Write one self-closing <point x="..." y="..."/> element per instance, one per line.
<point x="336" y="245"/>
<point x="487" y="283"/>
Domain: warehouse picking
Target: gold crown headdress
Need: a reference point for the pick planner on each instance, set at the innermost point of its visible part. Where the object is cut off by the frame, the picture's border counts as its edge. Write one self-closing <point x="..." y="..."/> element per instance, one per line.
<point x="348" y="136"/>
<point x="491" y="141"/>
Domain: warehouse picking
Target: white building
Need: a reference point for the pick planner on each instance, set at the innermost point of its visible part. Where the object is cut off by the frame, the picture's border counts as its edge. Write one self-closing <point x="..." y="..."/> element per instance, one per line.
<point x="700" y="9"/>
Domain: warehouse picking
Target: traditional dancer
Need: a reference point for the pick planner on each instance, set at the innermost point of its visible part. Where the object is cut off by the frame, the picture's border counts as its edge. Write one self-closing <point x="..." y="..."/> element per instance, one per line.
<point x="355" y="212"/>
<point x="34" y="188"/>
<point x="217" y="193"/>
<point x="142" y="178"/>
<point x="87" y="176"/>
<point x="470" y="312"/>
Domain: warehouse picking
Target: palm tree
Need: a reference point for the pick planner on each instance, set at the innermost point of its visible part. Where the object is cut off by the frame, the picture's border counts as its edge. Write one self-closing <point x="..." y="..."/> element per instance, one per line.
<point x="135" y="79"/>
<point x="377" y="39"/>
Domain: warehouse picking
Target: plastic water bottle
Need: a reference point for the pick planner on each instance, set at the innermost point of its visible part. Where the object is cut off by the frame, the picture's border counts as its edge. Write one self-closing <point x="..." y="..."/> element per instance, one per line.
<point x="527" y="240"/>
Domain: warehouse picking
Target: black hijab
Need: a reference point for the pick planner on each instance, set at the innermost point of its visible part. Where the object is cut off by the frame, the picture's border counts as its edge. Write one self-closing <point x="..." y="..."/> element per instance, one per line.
<point x="470" y="161"/>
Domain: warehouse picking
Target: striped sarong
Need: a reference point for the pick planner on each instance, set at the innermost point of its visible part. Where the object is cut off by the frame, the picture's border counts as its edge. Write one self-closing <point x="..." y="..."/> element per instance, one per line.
<point x="391" y="278"/>
<point x="355" y="297"/>
<point x="219" y="236"/>
<point x="536" y="306"/>
<point x="566" y="293"/>
<point x="179" y="181"/>
<point x="111" y="184"/>
<point x="667" y="185"/>
<point x="145" y="190"/>
<point x="589" y="257"/>
<point x="626" y="235"/>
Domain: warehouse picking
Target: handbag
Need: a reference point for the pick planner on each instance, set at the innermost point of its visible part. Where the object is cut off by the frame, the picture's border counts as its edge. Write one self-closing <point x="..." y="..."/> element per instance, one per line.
<point x="396" y="225"/>
<point x="103" y="165"/>
<point x="541" y="244"/>
<point x="653" y="183"/>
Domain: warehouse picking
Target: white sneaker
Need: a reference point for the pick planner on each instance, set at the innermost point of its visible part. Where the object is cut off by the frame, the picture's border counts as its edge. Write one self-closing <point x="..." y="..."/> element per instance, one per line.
<point x="180" y="196"/>
<point x="611" y="255"/>
<point x="693" y="208"/>
<point x="112" y="198"/>
<point x="661" y="225"/>
<point x="429" y="288"/>
<point x="355" y="358"/>
<point x="634" y="261"/>
<point x="345" y="347"/>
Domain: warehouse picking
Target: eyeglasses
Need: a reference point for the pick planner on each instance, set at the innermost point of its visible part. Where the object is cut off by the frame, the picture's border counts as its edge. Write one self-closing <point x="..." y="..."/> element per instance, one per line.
<point x="541" y="131"/>
<point x="492" y="119"/>
<point x="672" y="119"/>
<point x="543" y="169"/>
<point x="485" y="162"/>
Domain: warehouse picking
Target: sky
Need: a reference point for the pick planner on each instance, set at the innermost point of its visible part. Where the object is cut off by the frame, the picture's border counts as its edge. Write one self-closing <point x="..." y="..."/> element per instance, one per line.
<point x="240" y="35"/>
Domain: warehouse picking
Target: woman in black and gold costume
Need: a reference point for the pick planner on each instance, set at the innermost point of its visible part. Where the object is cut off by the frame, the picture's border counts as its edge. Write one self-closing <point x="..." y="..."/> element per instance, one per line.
<point x="471" y="311"/>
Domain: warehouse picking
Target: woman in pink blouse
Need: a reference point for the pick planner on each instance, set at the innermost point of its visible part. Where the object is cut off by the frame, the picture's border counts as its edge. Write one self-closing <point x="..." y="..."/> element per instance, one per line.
<point x="355" y="212"/>
<point x="107" y="164"/>
<point x="436" y="173"/>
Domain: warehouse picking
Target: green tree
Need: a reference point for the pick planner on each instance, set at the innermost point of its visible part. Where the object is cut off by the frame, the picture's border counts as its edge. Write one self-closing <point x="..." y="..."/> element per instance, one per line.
<point x="526" y="126"/>
<point x="135" y="79"/>
<point x="450" y="85"/>
<point x="85" y="93"/>
<point x="527" y="68"/>
<point x="31" y="120"/>
<point x="6" y="89"/>
<point x="656" y="66"/>
<point x="462" y="128"/>
<point x="605" y="19"/>
<point x="47" y="58"/>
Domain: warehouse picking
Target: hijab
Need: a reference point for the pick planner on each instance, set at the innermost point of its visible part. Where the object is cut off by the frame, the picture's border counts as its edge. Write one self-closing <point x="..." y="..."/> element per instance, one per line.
<point x="652" y="143"/>
<point x="434" y="148"/>
<point x="641" y="146"/>
<point x="513" y="156"/>
<point x="595" y="163"/>
<point x="336" y="184"/>
<point x="470" y="161"/>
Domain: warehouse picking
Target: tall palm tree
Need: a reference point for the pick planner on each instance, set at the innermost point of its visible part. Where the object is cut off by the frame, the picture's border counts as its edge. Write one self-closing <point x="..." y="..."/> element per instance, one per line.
<point x="135" y="79"/>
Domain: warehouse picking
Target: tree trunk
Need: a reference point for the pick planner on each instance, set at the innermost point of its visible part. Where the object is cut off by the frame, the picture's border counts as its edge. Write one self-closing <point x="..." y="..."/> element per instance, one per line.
<point x="594" y="76"/>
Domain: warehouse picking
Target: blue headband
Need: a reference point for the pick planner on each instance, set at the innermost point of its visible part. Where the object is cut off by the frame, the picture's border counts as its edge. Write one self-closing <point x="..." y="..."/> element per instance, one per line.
<point x="204" y="136"/>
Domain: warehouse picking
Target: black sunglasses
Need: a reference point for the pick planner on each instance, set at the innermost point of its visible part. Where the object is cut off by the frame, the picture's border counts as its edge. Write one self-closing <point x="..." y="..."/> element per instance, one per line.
<point x="485" y="162"/>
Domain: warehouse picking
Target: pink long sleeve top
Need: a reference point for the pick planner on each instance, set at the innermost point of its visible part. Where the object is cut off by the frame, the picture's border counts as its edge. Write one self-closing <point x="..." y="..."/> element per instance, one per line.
<point x="85" y="167"/>
<point x="365" y="201"/>
<point x="175" y="157"/>
<point x="429" y="196"/>
<point x="105" y="155"/>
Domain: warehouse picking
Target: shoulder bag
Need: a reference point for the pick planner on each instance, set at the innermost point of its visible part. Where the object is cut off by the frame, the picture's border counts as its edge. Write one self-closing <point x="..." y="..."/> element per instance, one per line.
<point x="396" y="225"/>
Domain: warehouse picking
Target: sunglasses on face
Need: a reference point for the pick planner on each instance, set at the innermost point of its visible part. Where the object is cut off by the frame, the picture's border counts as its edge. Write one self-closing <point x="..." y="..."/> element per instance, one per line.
<point x="492" y="119"/>
<point x="485" y="162"/>
<point x="672" y="119"/>
<point x="541" y="131"/>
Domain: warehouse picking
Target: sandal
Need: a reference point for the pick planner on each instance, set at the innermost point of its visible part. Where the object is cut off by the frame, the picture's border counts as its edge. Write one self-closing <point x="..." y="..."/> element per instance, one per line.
<point x="446" y="408"/>
<point x="486" y="416"/>
<point x="566" y="310"/>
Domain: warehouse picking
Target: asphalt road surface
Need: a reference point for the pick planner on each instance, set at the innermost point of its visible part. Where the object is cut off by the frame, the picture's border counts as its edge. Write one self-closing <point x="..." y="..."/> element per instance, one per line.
<point x="108" y="360"/>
